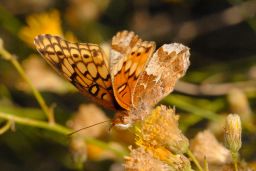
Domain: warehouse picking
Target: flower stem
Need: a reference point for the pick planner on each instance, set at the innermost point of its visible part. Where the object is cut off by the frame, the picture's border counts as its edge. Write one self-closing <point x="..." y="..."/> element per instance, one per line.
<point x="59" y="129"/>
<point x="6" y="127"/>
<point x="193" y="158"/>
<point x="36" y="123"/>
<point x="235" y="159"/>
<point x="206" y="168"/>
<point x="7" y="56"/>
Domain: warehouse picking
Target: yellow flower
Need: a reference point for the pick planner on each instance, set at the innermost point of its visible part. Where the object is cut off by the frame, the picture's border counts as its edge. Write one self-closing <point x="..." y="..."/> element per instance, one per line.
<point x="43" y="23"/>
<point x="160" y="129"/>
<point x="158" y="137"/>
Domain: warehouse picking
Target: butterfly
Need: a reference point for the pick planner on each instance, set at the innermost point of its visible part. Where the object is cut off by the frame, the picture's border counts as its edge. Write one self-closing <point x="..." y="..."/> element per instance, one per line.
<point x="131" y="79"/>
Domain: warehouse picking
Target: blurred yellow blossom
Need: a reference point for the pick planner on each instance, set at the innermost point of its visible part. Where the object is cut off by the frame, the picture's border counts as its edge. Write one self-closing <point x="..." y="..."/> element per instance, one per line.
<point x="97" y="153"/>
<point x="80" y="150"/>
<point x="42" y="77"/>
<point x="89" y="114"/>
<point x="239" y="104"/>
<point x="43" y="23"/>
<point x="160" y="128"/>
<point x="85" y="10"/>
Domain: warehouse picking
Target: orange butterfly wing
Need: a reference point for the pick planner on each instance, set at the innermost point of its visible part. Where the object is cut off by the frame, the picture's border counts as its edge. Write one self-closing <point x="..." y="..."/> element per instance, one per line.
<point x="129" y="56"/>
<point x="83" y="64"/>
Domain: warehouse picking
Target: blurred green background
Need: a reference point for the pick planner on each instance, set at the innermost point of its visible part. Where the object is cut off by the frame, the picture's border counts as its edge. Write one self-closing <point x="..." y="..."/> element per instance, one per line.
<point x="222" y="41"/>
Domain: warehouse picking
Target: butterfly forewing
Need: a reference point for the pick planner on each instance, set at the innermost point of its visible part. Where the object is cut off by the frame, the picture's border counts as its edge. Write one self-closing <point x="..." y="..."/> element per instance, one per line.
<point x="83" y="64"/>
<point x="121" y="45"/>
<point x="126" y="71"/>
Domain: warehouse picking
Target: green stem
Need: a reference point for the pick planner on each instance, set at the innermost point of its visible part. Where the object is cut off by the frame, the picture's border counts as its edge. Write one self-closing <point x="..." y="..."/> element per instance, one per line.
<point x="235" y="159"/>
<point x="5" y="127"/>
<point x="206" y="168"/>
<point x="7" y="56"/>
<point x="35" y="123"/>
<point x="59" y="129"/>
<point x="193" y="158"/>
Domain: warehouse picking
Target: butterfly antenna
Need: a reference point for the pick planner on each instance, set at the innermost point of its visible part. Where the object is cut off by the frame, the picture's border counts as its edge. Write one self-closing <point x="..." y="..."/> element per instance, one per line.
<point x="87" y="127"/>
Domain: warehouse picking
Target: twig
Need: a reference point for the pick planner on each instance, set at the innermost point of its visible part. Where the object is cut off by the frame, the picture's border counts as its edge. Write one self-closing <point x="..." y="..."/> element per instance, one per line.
<point x="213" y="89"/>
<point x="230" y="16"/>
<point x="186" y="31"/>
<point x="7" y="56"/>
<point x="32" y="122"/>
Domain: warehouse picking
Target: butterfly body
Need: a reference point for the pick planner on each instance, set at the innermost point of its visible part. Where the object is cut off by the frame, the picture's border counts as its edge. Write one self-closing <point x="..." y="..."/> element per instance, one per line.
<point x="131" y="82"/>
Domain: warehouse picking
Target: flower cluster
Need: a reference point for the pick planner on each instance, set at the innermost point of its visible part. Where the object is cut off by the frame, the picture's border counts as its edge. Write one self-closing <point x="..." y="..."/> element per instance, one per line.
<point x="161" y="143"/>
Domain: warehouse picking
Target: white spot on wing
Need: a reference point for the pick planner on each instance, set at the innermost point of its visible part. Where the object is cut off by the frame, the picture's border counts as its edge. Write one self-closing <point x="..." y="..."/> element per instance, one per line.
<point x="173" y="47"/>
<point x="115" y="56"/>
<point x="126" y="41"/>
<point x="155" y="69"/>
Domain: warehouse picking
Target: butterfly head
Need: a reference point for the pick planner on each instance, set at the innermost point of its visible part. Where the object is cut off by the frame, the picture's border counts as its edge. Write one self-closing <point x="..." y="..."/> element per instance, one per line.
<point x="122" y="120"/>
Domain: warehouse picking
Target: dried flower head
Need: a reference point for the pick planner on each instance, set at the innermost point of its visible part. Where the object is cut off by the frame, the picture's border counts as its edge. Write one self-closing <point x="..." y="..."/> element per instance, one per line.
<point x="156" y="159"/>
<point x="179" y="162"/>
<point x="84" y="118"/>
<point x="139" y="160"/>
<point x="78" y="146"/>
<point x="160" y="128"/>
<point x="233" y="131"/>
<point x="205" y="145"/>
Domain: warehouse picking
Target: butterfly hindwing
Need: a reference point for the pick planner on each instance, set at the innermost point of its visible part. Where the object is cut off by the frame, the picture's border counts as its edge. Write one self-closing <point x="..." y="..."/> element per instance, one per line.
<point x="167" y="65"/>
<point x="83" y="64"/>
<point x="132" y="55"/>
